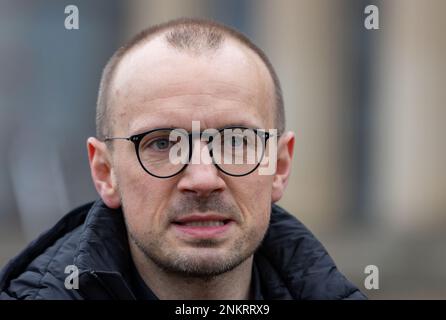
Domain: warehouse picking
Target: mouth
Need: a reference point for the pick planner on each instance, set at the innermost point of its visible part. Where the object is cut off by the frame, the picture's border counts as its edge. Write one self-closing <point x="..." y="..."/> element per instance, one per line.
<point x="203" y="226"/>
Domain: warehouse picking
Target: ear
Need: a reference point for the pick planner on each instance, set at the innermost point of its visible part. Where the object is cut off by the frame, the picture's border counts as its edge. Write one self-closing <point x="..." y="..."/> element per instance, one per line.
<point x="102" y="173"/>
<point x="284" y="161"/>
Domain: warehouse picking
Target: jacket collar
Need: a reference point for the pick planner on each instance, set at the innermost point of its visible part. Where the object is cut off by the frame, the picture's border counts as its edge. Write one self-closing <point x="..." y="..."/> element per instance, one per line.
<point x="103" y="256"/>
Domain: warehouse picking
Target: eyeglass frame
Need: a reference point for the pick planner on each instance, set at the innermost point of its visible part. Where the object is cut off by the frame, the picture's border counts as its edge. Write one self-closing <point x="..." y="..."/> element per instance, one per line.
<point x="137" y="138"/>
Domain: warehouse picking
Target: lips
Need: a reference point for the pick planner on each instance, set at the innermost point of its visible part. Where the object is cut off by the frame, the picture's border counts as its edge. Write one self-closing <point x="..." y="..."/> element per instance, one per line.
<point x="203" y="226"/>
<point x="202" y="219"/>
<point x="203" y="223"/>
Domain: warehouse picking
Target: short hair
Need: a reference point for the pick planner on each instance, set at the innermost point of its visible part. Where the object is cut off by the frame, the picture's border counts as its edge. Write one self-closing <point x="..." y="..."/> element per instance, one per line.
<point x="191" y="34"/>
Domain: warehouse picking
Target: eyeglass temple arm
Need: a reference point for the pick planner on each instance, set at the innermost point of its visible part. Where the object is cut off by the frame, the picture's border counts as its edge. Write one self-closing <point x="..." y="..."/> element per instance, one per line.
<point x="116" y="138"/>
<point x="268" y="135"/>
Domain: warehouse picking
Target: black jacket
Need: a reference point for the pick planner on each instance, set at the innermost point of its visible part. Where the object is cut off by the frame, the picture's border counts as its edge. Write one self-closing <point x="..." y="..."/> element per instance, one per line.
<point x="291" y="262"/>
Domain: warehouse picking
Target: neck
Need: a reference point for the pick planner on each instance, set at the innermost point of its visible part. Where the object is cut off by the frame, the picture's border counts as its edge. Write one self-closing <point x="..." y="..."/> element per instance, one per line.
<point x="234" y="284"/>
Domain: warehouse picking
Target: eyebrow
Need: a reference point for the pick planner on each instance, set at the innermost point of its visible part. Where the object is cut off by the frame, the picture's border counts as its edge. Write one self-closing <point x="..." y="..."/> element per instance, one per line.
<point x="147" y="128"/>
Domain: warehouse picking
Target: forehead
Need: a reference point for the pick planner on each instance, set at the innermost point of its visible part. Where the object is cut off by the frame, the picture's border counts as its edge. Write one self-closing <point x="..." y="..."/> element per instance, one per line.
<point x="156" y="85"/>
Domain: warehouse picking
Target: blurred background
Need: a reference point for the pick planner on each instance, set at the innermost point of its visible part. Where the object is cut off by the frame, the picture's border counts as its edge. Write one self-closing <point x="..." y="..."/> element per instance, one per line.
<point x="367" y="107"/>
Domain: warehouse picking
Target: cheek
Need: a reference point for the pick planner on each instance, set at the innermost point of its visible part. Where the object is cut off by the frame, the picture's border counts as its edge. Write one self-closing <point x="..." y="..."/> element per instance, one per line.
<point x="143" y="198"/>
<point x="253" y="196"/>
<point x="261" y="188"/>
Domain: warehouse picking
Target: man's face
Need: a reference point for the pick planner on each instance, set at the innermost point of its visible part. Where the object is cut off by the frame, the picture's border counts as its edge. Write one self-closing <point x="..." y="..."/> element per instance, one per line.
<point x="158" y="87"/>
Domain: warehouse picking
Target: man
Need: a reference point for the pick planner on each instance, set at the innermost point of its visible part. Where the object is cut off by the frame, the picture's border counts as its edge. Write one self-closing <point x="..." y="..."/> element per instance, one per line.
<point x="170" y="228"/>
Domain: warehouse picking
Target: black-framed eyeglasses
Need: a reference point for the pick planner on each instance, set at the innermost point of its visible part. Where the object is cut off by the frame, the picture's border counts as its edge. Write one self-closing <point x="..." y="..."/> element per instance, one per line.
<point x="165" y="152"/>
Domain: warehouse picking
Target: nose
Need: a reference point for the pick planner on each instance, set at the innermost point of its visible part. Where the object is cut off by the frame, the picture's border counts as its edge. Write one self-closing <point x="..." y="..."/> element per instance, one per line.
<point x="201" y="176"/>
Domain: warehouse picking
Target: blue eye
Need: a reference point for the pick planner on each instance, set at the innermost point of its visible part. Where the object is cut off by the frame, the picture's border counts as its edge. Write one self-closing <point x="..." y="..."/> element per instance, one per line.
<point x="238" y="141"/>
<point x="160" y="144"/>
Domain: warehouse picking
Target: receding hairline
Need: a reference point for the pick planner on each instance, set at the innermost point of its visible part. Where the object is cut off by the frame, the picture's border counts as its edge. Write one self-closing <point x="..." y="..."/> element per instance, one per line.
<point x="212" y="32"/>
